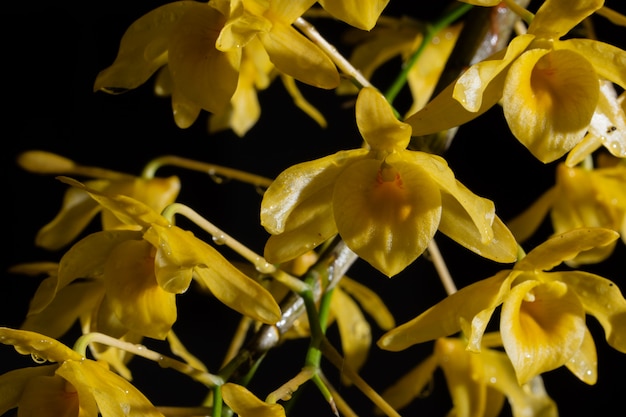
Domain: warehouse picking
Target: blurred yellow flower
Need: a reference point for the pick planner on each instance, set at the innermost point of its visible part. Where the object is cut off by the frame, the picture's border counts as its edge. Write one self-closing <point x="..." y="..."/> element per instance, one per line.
<point x="71" y="386"/>
<point x="542" y="320"/>
<point x="478" y="382"/>
<point x="399" y="37"/>
<point x="385" y="201"/>
<point x="549" y="88"/>
<point x="131" y="277"/>
<point x="580" y="198"/>
<point x="202" y="45"/>
<point x="79" y="209"/>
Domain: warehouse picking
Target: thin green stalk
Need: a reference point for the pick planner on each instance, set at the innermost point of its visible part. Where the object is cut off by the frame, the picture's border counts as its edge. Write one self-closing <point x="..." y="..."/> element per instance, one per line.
<point x="446" y="20"/>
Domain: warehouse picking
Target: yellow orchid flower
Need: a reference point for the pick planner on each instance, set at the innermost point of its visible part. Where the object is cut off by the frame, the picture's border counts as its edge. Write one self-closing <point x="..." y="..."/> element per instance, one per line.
<point x="203" y="46"/>
<point x="71" y="386"/>
<point x="385" y="201"/>
<point x="542" y="320"/>
<point x="79" y="209"/>
<point x="549" y="88"/>
<point x="136" y="274"/>
<point x="580" y="198"/>
<point x="478" y="382"/>
<point x="399" y="37"/>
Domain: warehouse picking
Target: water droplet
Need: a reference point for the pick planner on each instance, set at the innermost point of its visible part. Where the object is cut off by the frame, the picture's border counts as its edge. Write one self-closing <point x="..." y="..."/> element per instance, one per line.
<point x="492" y="380"/>
<point x="219" y="239"/>
<point x="37" y="359"/>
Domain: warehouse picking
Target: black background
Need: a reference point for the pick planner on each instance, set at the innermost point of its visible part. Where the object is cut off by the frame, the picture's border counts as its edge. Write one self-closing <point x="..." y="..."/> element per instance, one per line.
<point x="52" y="53"/>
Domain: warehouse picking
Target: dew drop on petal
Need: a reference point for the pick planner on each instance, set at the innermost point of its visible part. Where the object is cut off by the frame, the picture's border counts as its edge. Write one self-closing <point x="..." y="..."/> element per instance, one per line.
<point x="219" y="239"/>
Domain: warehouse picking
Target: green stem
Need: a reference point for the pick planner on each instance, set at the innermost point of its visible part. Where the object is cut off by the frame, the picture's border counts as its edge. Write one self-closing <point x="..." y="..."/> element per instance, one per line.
<point x="217" y="401"/>
<point x="443" y="22"/>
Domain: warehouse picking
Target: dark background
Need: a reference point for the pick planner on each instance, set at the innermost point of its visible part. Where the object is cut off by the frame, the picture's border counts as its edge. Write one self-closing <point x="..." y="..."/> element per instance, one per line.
<point x="52" y="53"/>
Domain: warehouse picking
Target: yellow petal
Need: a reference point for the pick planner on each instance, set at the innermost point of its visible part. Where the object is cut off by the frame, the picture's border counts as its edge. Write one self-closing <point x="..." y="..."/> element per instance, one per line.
<point x="62" y="312"/>
<point x="114" y="395"/>
<point x="179" y="254"/>
<point x="12" y="384"/>
<point x="295" y="55"/>
<point x="307" y="227"/>
<point x="602" y="299"/>
<point x="465" y="383"/>
<point x="31" y="343"/>
<point x="584" y="362"/>
<point x="358" y="13"/>
<point x="527" y="222"/>
<point x="302" y="182"/>
<point x="542" y="327"/>
<point x="127" y="209"/>
<point x="203" y="74"/>
<point x="77" y="211"/>
<point x="288" y="11"/>
<point x="245" y="20"/>
<point x="565" y="246"/>
<point x="246" y="404"/>
<point x="143" y="48"/>
<point x="184" y="110"/>
<point x="549" y="99"/>
<point x="411" y="385"/>
<point x="378" y="124"/>
<point x="354" y="330"/>
<point x="555" y="18"/>
<point x="133" y="292"/>
<point x="529" y="399"/>
<point x="49" y="396"/>
<point x="86" y="258"/>
<point x="480" y="89"/>
<point x="473" y="84"/>
<point x="370" y="301"/>
<point x="386" y="214"/>
<point x="446" y="317"/>
<point x="301" y="102"/>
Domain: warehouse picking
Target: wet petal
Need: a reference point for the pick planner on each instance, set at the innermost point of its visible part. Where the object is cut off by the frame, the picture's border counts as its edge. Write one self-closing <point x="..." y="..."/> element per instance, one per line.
<point x="299" y="183"/>
<point x="134" y="295"/>
<point x="246" y="404"/>
<point x="471" y="87"/>
<point x="549" y="99"/>
<point x="306" y="228"/>
<point x="530" y="399"/>
<point x="467" y="389"/>
<point x="565" y="246"/>
<point x="114" y="395"/>
<point x="602" y="299"/>
<point x="184" y="110"/>
<point x="584" y="362"/>
<point x="43" y="347"/>
<point x="447" y="317"/>
<point x="386" y="214"/>
<point x="378" y="124"/>
<point x="542" y="327"/>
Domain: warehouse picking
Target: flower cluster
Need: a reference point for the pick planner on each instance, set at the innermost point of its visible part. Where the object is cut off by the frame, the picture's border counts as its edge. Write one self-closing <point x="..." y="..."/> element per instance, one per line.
<point x="377" y="198"/>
